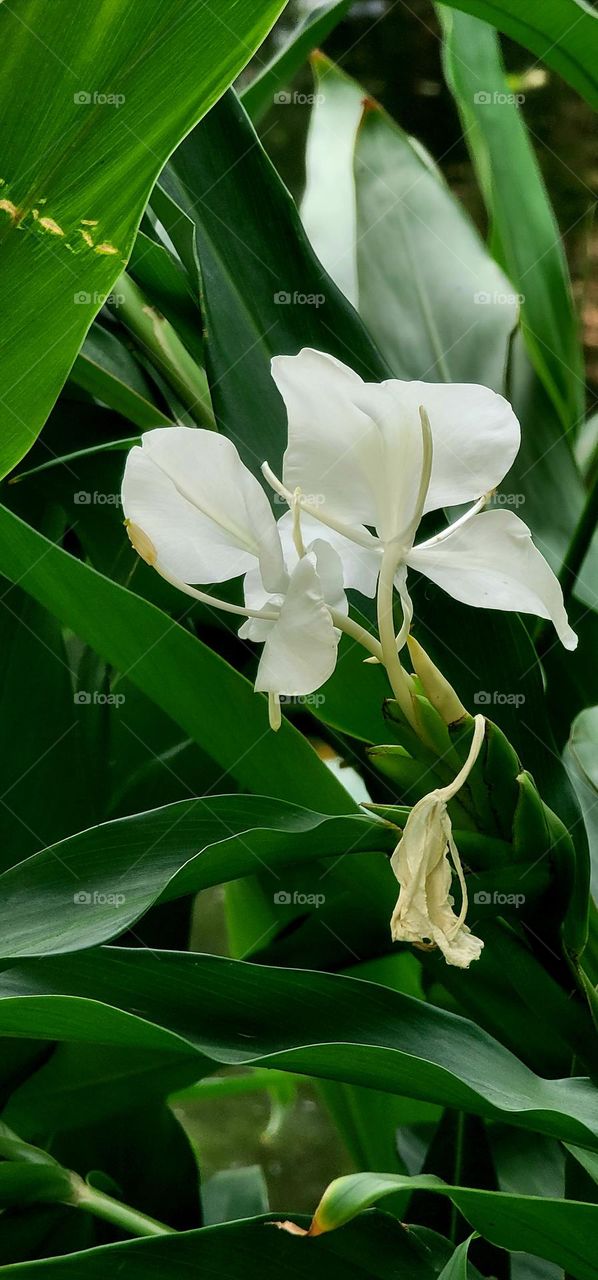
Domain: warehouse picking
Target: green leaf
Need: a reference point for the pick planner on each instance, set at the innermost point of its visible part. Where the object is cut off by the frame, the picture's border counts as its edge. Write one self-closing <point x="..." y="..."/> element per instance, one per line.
<point x="395" y="238"/>
<point x="109" y="372"/>
<point x="564" y="1231"/>
<point x="234" y="1193"/>
<point x="525" y="231"/>
<point x="263" y="294"/>
<point x="211" y="702"/>
<point x="563" y="33"/>
<point x="456" y="1267"/>
<point x="309" y="35"/>
<point x="90" y="112"/>
<point x="46" y="789"/>
<point x="94" y="886"/>
<point x="581" y="759"/>
<point x="370" y="1249"/>
<point x="309" y="1023"/>
<point x="23" y="1183"/>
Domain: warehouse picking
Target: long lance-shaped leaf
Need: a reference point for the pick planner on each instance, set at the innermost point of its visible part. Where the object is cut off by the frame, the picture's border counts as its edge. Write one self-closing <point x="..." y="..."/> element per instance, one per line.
<point x="260" y="94"/>
<point x="202" y="693"/>
<point x="563" y="33"/>
<point x="93" y="886"/>
<point x="525" y="230"/>
<point x="563" y="1231"/>
<point x="371" y="1248"/>
<point x="308" y="1023"/>
<point x="90" y="109"/>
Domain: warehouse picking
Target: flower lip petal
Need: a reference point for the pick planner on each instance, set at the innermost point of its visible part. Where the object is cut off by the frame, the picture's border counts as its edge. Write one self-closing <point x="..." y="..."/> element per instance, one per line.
<point x="300" y="650"/>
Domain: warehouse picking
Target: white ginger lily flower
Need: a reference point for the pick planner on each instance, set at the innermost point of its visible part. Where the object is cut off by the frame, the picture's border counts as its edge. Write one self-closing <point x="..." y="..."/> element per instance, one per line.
<point x="197" y="515"/>
<point x="424" y="912"/>
<point x="379" y="456"/>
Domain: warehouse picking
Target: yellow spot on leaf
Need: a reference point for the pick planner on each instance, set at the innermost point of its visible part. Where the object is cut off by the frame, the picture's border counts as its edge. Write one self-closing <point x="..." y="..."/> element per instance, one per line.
<point x="87" y="238"/>
<point x="50" y="225"/>
<point x="10" y="208"/>
<point x="89" y="222"/>
<point x="106" y="248"/>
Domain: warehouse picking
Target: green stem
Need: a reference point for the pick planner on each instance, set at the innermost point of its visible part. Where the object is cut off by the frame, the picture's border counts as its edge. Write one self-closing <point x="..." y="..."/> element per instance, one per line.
<point x="398" y="678"/>
<point x="357" y="632"/>
<point x="580" y="543"/>
<point x="160" y="340"/>
<point x="120" y="1215"/>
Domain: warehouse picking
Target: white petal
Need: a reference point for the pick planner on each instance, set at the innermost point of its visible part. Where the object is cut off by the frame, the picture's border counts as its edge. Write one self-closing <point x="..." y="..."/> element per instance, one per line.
<point x="355" y="447"/>
<point x="334" y="452"/>
<point x="476" y="438"/>
<point x="361" y="565"/>
<point x="300" y="650"/>
<point x="206" y="514"/>
<point x="492" y="563"/>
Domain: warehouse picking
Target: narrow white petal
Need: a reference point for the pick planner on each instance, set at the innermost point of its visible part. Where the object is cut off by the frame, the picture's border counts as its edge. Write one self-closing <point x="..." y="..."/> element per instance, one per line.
<point x="300" y="649"/>
<point x="492" y="563"/>
<point x="205" y="513"/>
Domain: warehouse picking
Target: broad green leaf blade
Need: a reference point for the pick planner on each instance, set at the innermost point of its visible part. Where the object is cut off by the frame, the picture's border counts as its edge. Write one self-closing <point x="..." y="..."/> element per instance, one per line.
<point x="90" y="110"/>
<point x="22" y="1183"/>
<point x="372" y="1248"/>
<point x="211" y="702"/>
<point x="525" y="229"/>
<point x="264" y="293"/>
<point x="94" y="886"/>
<point x="581" y="759"/>
<point x="438" y="306"/>
<point x="563" y="33"/>
<point x="260" y="94"/>
<point x="309" y="1023"/>
<point x="47" y="790"/>
<point x="106" y="369"/>
<point x="389" y="231"/>
<point x="564" y="1231"/>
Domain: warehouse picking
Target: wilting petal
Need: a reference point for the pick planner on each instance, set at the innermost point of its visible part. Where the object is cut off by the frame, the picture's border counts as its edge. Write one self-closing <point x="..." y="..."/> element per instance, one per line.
<point x="300" y="648"/>
<point x="424" y="912"/>
<point x="205" y="513"/>
<point x="361" y="565"/>
<point x="492" y="563"/>
<point x="475" y="435"/>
